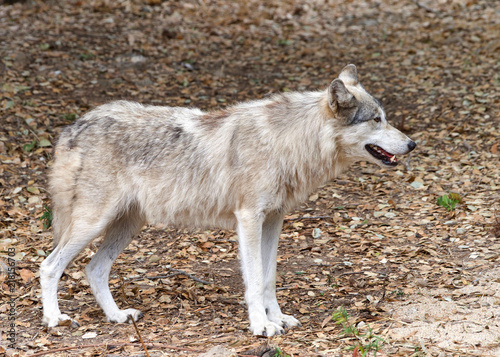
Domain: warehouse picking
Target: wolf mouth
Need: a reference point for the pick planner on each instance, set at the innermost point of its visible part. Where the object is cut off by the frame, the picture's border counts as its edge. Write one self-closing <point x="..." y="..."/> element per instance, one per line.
<point x="380" y="154"/>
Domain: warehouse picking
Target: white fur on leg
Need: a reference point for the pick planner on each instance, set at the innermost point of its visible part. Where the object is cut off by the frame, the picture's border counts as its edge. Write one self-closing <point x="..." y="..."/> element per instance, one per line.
<point x="53" y="267"/>
<point x="51" y="270"/>
<point x="118" y="236"/>
<point x="98" y="280"/>
<point x="270" y="236"/>
<point x="48" y="281"/>
<point x="250" y="239"/>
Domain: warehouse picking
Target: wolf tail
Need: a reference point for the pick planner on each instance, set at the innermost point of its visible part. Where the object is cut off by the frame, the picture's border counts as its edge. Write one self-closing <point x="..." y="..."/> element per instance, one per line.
<point x="62" y="184"/>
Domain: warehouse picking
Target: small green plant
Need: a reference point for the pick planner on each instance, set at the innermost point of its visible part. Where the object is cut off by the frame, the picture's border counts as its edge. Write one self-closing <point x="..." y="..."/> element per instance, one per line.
<point x="365" y="343"/>
<point x="70" y="116"/>
<point x="86" y="56"/>
<point x="279" y="353"/>
<point x="398" y="292"/>
<point x="29" y="147"/>
<point x="449" y="201"/>
<point x="284" y="42"/>
<point x="46" y="217"/>
<point x="42" y="143"/>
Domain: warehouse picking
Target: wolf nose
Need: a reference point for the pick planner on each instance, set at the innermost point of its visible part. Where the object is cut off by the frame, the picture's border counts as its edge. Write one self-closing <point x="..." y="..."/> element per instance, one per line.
<point x="412" y="145"/>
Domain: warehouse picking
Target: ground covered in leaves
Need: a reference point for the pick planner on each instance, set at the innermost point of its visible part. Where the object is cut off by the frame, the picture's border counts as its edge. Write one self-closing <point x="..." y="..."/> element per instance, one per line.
<point x="422" y="278"/>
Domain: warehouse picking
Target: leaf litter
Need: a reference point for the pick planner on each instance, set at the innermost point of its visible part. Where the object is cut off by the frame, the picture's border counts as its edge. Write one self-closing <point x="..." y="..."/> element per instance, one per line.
<point x="373" y="241"/>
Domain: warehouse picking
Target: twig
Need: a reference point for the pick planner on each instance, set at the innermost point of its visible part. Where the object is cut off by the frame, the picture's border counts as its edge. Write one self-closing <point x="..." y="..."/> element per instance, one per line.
<point x="351" y="273"/>
<point x="384" y="286"/>
<point x="402" y="124"/>
<point x="139" y="334"/>
<point x="496" y="225"/>
<point x="425" y="7"/>
<point x="178" y="272"/>
<point x="293" y="287"/>
<point x="151" y="345"/>
<point x="34" y="134"/>
<point x="407" y="162"/>
<point x="424" y="350"/>
<point x="122" y="288"/>
<point x="306" y="217"/>
<point x="466" y="322"/>
<point x="202" y="308"/>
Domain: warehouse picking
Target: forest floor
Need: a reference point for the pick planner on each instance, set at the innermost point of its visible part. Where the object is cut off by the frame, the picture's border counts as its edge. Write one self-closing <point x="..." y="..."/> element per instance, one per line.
<point x="375" y="242"/>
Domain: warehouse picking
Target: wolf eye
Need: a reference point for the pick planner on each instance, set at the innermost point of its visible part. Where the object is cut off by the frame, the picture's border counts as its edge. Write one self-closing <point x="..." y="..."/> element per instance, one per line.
<point x="377" y="119"/>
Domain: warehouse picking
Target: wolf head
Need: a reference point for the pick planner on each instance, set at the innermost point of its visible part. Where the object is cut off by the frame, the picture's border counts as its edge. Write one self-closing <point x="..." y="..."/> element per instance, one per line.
<point x="365" y="133"/>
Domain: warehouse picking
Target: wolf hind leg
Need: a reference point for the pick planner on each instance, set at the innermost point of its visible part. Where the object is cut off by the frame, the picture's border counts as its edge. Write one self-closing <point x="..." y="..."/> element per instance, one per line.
<point x="118" y="235"/>
<point x="270" y="237"/>
<point x="74" y="239"/>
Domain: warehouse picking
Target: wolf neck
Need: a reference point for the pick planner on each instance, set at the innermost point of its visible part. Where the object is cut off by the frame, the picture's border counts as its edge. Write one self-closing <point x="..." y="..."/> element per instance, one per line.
<point x="308" y="142"/>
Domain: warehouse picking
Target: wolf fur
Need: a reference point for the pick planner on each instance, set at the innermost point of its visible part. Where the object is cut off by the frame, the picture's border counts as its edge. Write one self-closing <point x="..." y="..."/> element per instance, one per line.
<point x="124" y="164"/>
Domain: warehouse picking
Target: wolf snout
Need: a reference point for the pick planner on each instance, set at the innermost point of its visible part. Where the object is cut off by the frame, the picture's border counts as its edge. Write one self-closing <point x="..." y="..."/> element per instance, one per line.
<point x="411" y="145"/>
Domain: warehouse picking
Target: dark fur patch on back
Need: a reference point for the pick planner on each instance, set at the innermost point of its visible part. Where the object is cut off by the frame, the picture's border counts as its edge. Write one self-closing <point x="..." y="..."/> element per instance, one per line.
<point x="74" y="131"/>
<point x="234" y="158"/>
<point x="213" y="120"/>
<point x="279" y="101"/>
<point x="177" y="132"/>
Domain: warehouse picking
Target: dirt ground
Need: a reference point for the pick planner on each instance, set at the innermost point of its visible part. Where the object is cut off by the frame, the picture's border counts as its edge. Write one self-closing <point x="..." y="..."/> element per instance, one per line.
<point x="375" y="242"/>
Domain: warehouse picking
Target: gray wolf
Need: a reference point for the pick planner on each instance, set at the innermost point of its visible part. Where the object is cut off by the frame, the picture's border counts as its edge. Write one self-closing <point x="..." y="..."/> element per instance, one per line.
<point x="124" y="164"/>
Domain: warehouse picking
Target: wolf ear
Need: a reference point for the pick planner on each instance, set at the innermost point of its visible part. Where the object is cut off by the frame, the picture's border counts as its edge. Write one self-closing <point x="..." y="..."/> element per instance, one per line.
<point x="339" y="97"/>
<point x="349" y="75"/>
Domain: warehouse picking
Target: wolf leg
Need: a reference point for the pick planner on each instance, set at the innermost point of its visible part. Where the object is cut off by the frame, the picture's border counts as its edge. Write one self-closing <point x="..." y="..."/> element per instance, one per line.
<point x="118" y="235"/>
<point x="75" y="238"/>
<point x="250" y="241"/>
<point x="270" y="237"/>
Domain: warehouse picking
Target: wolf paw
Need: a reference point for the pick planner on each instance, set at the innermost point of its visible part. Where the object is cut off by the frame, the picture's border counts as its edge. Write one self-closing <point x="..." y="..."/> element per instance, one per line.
<point x="285" y="321"/>
<point x="122" y="316"/>
<point x="268" y="329"/>
<point x="59" y="320"/>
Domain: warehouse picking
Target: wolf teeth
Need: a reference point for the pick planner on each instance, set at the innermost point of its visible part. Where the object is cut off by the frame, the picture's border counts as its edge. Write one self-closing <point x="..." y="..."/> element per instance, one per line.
<point x="382" y="154"/>
<point x="378" y="149"/>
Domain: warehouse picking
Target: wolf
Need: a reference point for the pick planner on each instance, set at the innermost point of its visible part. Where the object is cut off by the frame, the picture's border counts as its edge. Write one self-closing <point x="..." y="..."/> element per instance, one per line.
<point x="124" y="164"/>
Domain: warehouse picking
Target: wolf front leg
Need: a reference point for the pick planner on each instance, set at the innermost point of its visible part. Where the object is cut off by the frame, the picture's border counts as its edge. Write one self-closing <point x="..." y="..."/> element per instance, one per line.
<point x="270" y="237"/>
<point x="250" y="241"/>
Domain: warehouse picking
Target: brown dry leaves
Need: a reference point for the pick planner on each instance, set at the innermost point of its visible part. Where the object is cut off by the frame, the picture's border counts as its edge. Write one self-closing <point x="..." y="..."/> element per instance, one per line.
<point x="380" y="244"/>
